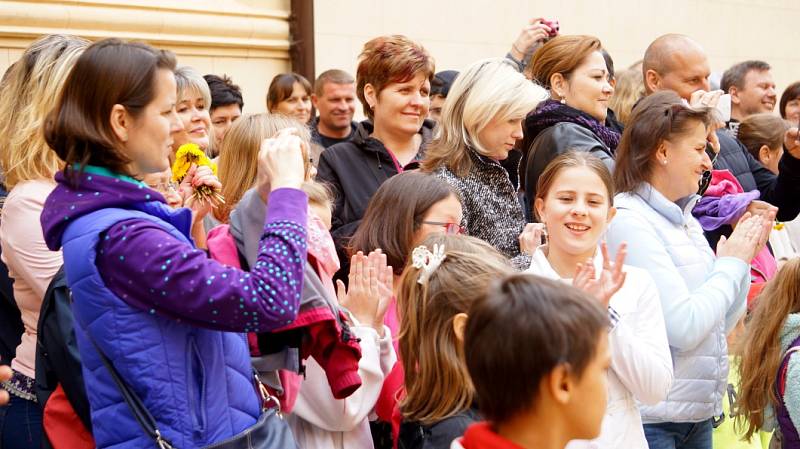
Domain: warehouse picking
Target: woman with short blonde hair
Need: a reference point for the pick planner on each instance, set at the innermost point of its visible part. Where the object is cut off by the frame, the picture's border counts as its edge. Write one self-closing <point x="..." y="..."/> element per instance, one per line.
<point x="481" y="121"/>
<point x="28" y="92"/>
<point x="193" y="105"/>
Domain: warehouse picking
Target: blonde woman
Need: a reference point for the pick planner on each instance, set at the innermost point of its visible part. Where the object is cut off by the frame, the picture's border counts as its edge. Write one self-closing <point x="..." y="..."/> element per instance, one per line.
<point x="480" y="123"/>
<point x="27" y="94"/>
<point x="628" y="90"/>
<point x="193" y="106"/>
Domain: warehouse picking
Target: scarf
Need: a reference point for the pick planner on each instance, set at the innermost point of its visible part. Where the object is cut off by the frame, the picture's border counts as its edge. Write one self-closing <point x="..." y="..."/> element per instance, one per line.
<point x="551" y="112"/>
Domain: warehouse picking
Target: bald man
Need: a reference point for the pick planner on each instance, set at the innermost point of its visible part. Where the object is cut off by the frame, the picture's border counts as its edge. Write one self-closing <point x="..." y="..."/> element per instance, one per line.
<point x="678" y="63"/>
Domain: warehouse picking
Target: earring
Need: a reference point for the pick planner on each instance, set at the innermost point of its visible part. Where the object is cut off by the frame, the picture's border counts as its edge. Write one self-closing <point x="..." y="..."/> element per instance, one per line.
<point x="563" y="100"/>
<point x="664" y="162"/>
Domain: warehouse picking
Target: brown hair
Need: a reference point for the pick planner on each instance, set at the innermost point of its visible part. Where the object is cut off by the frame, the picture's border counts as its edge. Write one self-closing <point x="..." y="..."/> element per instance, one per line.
<point x="762" y="129"/>
<point x="437" y="384"/>
<point x="573" y="158"/>
<point x="524" y="328"/>
<point x="734" y="76"/>
<point x="28" y="92"/>
<point x="109" y="72"/>
<point x="390" y="59"/>
<point x="629" y="90"/>
<point x="395" y="213"/>
<point x="760" y="347"/>
<point x="334" y="76"/>
<point x="658" y="117"/>
<point x="791" y="93"/>
<point x="282" y="86"/>
<point x="238" y="160"/>
<point x="561" y="54"/>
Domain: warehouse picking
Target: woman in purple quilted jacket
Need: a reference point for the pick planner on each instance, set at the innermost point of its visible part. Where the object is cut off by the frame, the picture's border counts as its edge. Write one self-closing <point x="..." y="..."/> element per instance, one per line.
<point x="169" y="319"/>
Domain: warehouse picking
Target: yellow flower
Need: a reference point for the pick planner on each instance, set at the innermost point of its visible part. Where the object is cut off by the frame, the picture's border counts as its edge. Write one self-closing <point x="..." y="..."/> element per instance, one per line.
<point x="188" y="154"/>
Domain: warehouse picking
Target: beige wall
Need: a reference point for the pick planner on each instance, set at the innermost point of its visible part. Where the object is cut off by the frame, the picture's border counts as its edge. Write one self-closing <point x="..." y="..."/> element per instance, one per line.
<point x="246" y="39"/>
<point x="458" y="32"/>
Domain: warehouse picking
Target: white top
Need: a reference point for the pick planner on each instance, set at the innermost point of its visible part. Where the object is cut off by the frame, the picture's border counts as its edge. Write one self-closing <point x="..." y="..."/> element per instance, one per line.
<point x="30" y="263"/>
<point x="319" y="421"/>
<point x="641" y="365"/>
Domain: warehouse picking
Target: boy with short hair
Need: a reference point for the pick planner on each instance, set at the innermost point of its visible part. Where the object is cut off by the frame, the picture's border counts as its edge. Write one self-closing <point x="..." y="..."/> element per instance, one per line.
<point x="537" y="352"/>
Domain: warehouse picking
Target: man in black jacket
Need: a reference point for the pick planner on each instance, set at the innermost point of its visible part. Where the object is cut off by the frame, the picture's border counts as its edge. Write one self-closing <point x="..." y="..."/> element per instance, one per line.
<point x="678" y="63"/>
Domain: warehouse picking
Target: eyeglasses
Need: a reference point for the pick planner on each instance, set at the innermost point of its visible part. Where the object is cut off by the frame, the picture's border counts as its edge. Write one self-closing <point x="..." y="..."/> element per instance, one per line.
<point x="449" y="228"/>
<point x="165" y="187"/>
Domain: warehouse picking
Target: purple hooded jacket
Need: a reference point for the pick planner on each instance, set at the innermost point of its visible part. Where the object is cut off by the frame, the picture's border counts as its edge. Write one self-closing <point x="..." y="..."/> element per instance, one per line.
<point x="157" y="307"/>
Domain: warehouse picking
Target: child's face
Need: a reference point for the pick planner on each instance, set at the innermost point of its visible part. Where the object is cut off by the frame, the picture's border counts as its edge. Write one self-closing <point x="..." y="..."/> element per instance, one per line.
<point x="588" y="403"/>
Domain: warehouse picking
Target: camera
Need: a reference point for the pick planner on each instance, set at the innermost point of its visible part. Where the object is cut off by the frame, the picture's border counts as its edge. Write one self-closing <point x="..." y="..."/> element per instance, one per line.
<point x="554" y="26"/>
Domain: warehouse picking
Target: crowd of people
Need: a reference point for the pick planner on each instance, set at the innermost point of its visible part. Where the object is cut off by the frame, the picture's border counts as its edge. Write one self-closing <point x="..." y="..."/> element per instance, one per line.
<point x="536" y="251"/>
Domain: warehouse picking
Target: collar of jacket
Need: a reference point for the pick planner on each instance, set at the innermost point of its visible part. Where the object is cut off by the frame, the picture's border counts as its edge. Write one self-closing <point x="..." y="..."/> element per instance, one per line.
<point x="481" y="160"/>
<point x="677" y="212"/>
<point x="363" y="139"/>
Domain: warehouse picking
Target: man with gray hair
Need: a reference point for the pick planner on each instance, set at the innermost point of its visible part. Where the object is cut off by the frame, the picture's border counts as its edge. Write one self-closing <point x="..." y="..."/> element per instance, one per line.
<point x="751" y="87"/>
<point x="335" y="98"/>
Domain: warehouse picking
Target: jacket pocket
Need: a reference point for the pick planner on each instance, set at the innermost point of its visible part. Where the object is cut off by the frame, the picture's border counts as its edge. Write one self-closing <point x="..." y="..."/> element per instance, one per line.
<point x="196" y="386"/>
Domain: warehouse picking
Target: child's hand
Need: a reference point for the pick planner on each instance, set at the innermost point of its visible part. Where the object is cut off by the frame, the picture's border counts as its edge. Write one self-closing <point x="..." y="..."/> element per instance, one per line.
<point x="611" y="278"/>
<point x="370" y="289"/>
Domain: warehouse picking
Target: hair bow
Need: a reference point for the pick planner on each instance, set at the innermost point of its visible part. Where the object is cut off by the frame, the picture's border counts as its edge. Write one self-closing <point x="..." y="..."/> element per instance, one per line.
<point x="426" y="261"/>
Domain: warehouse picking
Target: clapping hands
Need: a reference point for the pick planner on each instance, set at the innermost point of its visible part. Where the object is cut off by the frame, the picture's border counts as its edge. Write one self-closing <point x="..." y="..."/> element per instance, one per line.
<point x="611" y="277"/>
<point x="370" y="289"/>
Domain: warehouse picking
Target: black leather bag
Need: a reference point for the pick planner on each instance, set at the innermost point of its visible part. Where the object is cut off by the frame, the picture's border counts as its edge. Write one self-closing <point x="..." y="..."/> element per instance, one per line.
<point x="270" y="431"/>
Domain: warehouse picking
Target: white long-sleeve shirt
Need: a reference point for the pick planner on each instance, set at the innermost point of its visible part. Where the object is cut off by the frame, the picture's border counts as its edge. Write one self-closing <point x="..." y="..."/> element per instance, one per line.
<point x="319" y="421"/>
<point x="641" y="365"/>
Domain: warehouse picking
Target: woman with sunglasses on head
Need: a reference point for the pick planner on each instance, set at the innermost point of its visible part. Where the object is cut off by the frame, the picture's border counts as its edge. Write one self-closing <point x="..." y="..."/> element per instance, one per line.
<point x="659" y="164"/>
<point x="480" y="124"/>
<point x="403" y="212"/>
<point x="575" y="72"/>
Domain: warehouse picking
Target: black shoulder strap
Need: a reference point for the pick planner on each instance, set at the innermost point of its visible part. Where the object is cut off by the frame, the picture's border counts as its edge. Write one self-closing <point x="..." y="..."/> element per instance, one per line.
<point x="140" y="412"/>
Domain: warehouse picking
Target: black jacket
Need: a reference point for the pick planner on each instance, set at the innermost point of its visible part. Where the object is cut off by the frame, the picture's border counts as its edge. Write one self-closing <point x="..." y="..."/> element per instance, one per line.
<point x="550" y="143"/>
<point x="353" y="171"/>
<point x="782" y="191"/>
<point x="440" y="435"/>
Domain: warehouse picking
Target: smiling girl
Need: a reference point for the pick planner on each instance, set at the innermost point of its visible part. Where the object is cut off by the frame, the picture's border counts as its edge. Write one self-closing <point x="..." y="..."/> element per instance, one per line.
<point x="575" y="202"/>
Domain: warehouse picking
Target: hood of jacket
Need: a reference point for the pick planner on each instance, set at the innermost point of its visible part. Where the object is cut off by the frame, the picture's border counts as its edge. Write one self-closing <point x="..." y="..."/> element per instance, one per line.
<point x="79" y="194"/>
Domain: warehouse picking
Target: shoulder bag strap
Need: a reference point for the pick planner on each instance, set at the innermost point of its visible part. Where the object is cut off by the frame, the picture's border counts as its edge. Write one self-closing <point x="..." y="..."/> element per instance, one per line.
<point x="140" y="412"/>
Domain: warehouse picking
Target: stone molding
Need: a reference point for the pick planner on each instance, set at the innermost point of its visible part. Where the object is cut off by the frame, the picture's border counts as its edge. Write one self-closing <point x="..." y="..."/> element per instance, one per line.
<point x="236" y="28"/>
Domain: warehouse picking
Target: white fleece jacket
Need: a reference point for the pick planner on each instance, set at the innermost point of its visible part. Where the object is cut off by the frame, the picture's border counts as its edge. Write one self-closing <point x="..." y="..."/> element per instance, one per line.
<point x="319" y="421"/>
<point x="641" y="364"/>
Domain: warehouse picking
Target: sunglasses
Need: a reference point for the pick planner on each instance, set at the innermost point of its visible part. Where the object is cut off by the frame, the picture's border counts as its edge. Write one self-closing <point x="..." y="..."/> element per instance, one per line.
<point x="450" y="228"/>
<point x="705" y="181"/>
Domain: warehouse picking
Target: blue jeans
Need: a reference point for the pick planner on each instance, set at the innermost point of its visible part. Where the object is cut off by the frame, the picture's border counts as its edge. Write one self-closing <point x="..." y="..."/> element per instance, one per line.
<point x="21" y="425"/>
<point x="679" y="435"/>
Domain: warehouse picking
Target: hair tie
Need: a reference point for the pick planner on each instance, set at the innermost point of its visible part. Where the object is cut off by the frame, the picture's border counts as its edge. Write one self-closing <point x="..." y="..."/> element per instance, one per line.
<point x="426" y="261"/>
